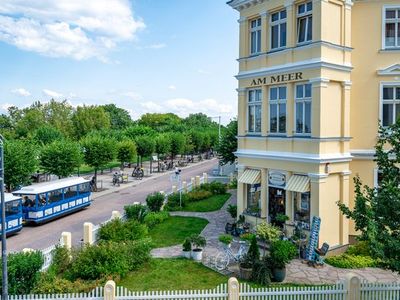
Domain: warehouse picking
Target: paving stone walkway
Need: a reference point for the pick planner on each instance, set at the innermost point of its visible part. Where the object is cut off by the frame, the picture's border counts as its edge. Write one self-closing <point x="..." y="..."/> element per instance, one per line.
<point x="296" y="271"/>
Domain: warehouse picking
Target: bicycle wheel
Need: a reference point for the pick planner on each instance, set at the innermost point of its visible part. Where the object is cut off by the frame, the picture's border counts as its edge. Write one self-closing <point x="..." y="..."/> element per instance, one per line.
<point x="221" y="261"/>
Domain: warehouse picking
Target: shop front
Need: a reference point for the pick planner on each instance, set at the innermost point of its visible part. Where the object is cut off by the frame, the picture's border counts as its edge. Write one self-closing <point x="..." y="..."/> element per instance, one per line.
<point x="276" y="195"/>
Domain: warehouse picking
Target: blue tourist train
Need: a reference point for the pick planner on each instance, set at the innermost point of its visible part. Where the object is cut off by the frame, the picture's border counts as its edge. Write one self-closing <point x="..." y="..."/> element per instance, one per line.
<point x="13" y="213"/>
<point x="45" y="201"/>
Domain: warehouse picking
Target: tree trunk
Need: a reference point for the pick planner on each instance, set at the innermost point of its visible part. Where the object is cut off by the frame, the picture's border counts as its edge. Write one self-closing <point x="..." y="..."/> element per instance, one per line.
<point x="95" y="179"/>
<point x="151" y="165"/>
<point x="158" y="162"/>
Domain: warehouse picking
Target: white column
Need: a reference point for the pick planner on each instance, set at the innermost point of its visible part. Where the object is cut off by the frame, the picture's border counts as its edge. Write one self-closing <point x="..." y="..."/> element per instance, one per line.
<point x="87" y="233"/>
<point x="66" y="240"/>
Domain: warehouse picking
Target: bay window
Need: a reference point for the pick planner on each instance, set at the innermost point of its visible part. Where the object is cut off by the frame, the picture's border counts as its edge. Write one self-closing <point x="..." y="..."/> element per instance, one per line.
<point x="255" y="36"/>
<point x="303" y="108"/>
<point x="390" y="104"/>
<point x="254" y="111"/>
<point x="392" y="27"/>
<point x="304" y="22"/>
<point x="278" y="30"/>
<point x="277" y="110"/>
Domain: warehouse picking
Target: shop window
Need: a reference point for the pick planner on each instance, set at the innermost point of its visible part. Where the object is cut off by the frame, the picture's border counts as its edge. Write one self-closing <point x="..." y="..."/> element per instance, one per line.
<point x="304" y="22"/>
<point x="255" y="36"/>
<point x="303" y="108"/>
<point x="390" y="105"/>
<point x="278" y="30"/>
<point x="254" y="111"/>
<point x="253" y="199"/>
<point x="277" y="110"/>
<point x="392" y="27"/>
<point x="301" y="210"/>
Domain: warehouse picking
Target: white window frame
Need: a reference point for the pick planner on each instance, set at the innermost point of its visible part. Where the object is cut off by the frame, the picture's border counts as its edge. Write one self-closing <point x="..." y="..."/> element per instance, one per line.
<point x="302" y="100"/>
<point x="278" y="23"/>
<point x="294" y="208"/>
<point x="251" y="104"/>
<point x="381" y="101"/>
<point x="277" y="102"/>
<point x="299" y="16"/>
<point x="396" y="21"/>
<point x="258" y="33"/>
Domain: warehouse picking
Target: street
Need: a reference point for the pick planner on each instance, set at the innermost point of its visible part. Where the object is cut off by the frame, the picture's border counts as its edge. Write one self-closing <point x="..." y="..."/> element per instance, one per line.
<point x="40" y="237"/>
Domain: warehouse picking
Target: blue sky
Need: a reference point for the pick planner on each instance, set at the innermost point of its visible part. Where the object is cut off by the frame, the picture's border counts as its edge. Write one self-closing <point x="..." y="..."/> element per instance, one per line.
<point x="143" y="55"/>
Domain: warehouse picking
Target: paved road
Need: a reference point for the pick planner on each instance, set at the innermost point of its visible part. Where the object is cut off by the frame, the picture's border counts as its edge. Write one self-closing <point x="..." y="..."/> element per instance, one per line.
<point x="40" y="237"/>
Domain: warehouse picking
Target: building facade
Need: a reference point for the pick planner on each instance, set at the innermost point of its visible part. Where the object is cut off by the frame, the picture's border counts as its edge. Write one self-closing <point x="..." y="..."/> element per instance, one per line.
<point x="315" y="79"/>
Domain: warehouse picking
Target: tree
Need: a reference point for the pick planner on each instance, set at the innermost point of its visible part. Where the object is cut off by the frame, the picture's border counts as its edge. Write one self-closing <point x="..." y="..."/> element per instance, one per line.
<point x="89" y="118"/>
<point x="59" y="115"/>
<point x="145" y="147"/>
<point x="161" y="122"/>
<point x="376" y="212"/>
<point x="228" y="144"/>
<point x="31" y="120"/>
<point x="197" y="140"/>
<point x="177" y="144"/>
<point x="97" y="152"/>
<point x="119" y="117"/>
<point x="135" y="131"/>
<point x="47" y="134"/>
<point x="20" y="162"/>
<point x="162" y="146"/>
<point x="61" y="158"/>
<point x="126" y="151"/>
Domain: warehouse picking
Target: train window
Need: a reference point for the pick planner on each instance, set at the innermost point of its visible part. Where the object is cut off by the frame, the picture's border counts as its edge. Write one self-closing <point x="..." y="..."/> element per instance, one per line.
<point x="28" y="200"/>
<point x="12" y="208"/>
<point x="84" y="188"/>
<point x="42" y="199"/>
<point x="70" y="192"/>
<point x="55" y="196"/>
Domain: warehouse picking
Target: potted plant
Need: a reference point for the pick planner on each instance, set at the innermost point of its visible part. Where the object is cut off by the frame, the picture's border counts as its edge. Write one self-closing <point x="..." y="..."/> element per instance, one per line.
<point x="187" y="248"/>
<point x="225" y="239"/>
<point x="249" y="260"/>
<point x="267" y="233"/>
<point x="232" y="210"/>
<point x="198" y="243"/>
<point x="281" y="219"/>
<point x="281" y="253"/>
<point x="247" y="237"/>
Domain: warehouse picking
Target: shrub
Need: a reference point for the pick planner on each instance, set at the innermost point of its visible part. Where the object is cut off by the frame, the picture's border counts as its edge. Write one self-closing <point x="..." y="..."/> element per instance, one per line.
<point x="174" y="201"/>
<point x="215" y="188"/>
<point x="198" y="241"/>
<point x="154" y="218"/>
<point x="225" y="239"/>
<point x="232" y="210"/>
<point x="349" y="261"/>
<point x="233" y="184"/>
<point x="248" y="237"/>
<point x="155" y="201"/>
<point x="119" y="231"/>
<point x="281" y="253"/>
<point x="197" y="195"/>
<point x="135" y="212"/>
<point x="49" y="284"/>
<point x="187" y="245"/>
<point x="261" y="272"/>
<point x="61" y="260"/>
<point x="23" y="271"/>
<point x="361" y="248"/>
<point x="268" y="232"/>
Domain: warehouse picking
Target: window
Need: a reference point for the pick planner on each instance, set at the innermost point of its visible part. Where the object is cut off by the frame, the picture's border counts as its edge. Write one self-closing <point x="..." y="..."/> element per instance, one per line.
<point x="390" y="105"/>
<point x="301" y="210"/>
<point x="278" y="30"/>
<point x="253" y="199"/>
<point x="392" y="27"/>
<point x="254" y="111"/>
<point x="255" y="36"/>
<point x="304" y="22"/>
<point x="277" y="109"/>
<point x="303" y="108"/>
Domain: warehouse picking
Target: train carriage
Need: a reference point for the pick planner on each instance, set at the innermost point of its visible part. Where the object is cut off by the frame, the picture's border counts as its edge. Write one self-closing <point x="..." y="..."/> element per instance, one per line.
<point x="13" y="213"/>
<point x="48" y="200"/>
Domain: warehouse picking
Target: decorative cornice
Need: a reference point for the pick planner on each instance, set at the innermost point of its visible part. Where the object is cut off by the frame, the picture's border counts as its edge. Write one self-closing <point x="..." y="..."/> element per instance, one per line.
<point x="390" y="71"/>
<point x="242" y="20"/>
<point x="319" y="82"/>
<point x="242" y="4"/>
<point x="347" y="85"/>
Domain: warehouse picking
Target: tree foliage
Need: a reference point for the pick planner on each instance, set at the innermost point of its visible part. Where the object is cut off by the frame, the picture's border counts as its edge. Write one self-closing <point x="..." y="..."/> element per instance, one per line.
<point x="162" y="144"/>
<point x="47" y="134"/>
<point x="126" y="151"/>
<point x="20" y="162"/>
<point x="376" y="212"/>
<point x="228" y="144"/>
<point x="119" y="117"/>
<point x="89" y="118"/>
<point x="177" y="143"/>
<point x="145" y="146"/>
<point x="61" y="158"/>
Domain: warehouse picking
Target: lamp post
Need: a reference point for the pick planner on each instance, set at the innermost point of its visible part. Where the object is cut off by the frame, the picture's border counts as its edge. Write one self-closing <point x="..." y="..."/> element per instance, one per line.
<point x="4" y="295"/>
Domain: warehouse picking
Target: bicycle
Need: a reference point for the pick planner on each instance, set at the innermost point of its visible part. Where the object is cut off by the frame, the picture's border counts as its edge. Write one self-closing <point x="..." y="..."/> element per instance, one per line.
<point x="224" y="258"/>
<point x="138" y="173"/>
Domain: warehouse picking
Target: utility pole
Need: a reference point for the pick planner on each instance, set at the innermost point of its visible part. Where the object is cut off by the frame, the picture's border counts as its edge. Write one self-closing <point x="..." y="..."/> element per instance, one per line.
<point x="4" y="295"/>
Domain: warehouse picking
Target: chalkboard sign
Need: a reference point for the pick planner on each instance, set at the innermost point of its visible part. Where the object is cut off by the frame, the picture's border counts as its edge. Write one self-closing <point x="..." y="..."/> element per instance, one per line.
<point x="314" y="235"/>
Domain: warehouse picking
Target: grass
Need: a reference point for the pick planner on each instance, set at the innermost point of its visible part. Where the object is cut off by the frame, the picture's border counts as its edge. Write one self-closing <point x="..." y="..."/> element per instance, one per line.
<point x="174" y="230"/>
<point x="212" y="203"/>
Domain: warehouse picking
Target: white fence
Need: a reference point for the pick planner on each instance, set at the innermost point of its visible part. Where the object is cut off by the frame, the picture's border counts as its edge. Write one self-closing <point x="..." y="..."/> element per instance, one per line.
<point x="350" y="289"/>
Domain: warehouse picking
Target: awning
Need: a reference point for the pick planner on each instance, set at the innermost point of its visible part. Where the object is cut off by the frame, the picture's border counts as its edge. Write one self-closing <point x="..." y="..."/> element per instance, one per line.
<point x="298" y="183"/>
<point x="250" y="176"/>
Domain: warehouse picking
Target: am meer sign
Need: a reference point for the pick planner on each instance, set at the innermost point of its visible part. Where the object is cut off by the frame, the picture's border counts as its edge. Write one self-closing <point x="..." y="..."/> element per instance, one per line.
<point x="277" y="78"/>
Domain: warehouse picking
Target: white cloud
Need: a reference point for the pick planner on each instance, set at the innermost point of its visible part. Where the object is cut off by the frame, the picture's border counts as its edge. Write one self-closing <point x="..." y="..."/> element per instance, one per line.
<point x="151" y="106"/>
<point x="132" y="95"/>
<point x="21" y="92"/>
<point x="172" y="87"/>
<point x="157" y="46"/>
<point x="201" y="71"/>
<point x="68" y="28"/>
<point x="6" y="106"/>
<point x="51" y="93"/>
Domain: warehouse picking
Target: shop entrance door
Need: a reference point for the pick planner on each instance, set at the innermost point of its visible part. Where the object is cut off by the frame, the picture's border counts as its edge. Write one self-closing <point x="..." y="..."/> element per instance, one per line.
<point x="276" y="203"/>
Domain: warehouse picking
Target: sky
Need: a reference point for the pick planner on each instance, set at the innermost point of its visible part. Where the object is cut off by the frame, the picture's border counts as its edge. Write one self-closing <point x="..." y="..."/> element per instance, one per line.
<point x="143" y="55"/>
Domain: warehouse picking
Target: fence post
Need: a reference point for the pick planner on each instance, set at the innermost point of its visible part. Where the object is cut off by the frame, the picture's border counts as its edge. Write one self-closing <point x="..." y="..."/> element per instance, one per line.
<point x="205" y="176"/>
<point x="233" y="289"/>
<point x="66" y="239"/>
<point x="115" y="215"/>
<point x="197" y="182"/>
<point x="174" y="189"/>
<point x="184" y="187"/>
<point x="353" y="287"/>
<point x="87" y="233"/>
<point x="231" y="177"/>
<point x="27" y="250"/>
<point x="193" y="182"/>
<point x="109" y="290"/>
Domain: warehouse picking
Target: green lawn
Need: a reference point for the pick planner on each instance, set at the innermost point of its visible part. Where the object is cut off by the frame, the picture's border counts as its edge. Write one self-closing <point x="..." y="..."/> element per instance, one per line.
<point x="174" y="230"/>
<point x="172" y="274"/>
<point x="210" y="204"/>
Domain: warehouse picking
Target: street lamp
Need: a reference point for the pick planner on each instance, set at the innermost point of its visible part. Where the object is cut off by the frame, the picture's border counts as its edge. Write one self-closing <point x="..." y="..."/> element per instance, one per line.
<point x="3" y="224"/>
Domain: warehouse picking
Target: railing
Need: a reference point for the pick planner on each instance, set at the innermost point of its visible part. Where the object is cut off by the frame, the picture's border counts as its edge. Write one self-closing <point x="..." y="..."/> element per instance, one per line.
<point x="387" y="291"/>
<point x="96" y="294"/>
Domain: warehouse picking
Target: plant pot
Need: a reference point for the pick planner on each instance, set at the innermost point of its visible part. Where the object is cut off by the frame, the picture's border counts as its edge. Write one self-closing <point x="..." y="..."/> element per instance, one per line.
<point x="197" y="254"/>
<point x="186" y="254"/>
<point x="279" y="274"/>
<point x="245" y="273"/>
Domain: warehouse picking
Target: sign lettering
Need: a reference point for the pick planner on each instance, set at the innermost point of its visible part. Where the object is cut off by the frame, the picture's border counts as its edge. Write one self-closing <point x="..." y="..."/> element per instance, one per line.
<point x="278" y="78"/>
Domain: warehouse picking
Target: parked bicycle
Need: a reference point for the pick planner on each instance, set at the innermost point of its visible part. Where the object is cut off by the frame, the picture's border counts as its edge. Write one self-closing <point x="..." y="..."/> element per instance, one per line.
<point x="224" y="258"/>
<point x="117" y="179"/>
<point x="138" y="173"/>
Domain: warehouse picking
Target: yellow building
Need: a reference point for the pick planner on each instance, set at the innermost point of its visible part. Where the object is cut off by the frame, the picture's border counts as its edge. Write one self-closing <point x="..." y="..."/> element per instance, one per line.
<point x="315" y="77"/>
